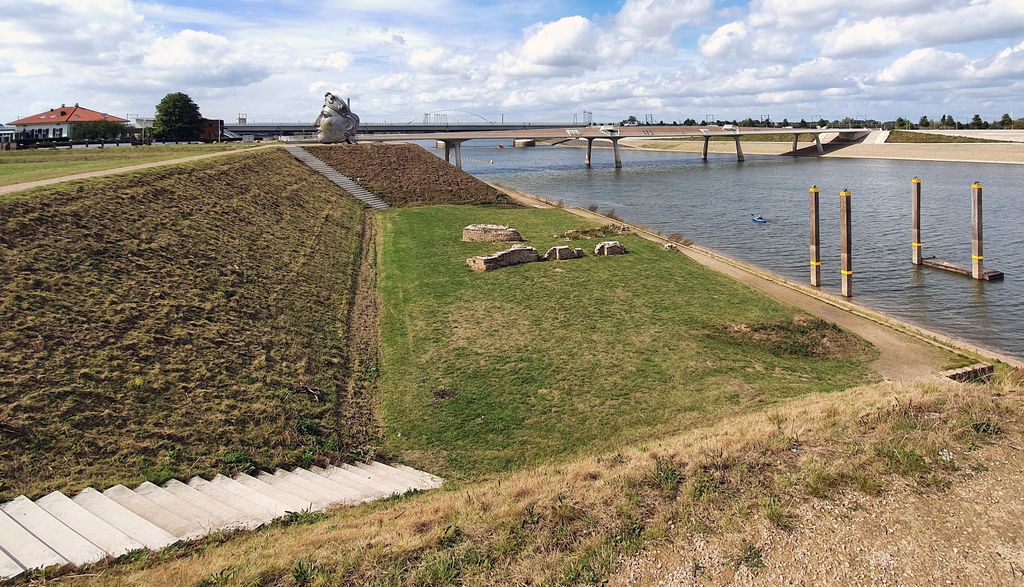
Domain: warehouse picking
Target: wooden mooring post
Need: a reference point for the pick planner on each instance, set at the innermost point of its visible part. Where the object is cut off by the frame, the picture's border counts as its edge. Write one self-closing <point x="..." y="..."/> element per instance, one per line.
<point x="977" y="255"/>
<point x="916" y="237"/>
<point x="815" y="251"/>
<point x="846" y="269"/>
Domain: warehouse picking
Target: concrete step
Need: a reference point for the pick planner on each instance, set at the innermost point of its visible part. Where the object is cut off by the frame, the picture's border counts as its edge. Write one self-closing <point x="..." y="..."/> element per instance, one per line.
<point x="180" y="527"/>
<point x="393" y="474"/>
<point x="227" y="516"/>
<point x="90" y="526"/>
<point x="262" y="501"/>
<point x="320" y="497"/>
<point x="295" y="502"/>
<point x="377" y="479"/>
<point x="432" y="478"/>
<point x="348" y="493"/>
<point x="247" y="508"/>
<point x="184" y="509"/>
<point x="140" y="529"/>
<point x="29" y="551"/>
<point x="354" y="479"/>
<point x="8" y="566"/>
<point x="60" y="538"/>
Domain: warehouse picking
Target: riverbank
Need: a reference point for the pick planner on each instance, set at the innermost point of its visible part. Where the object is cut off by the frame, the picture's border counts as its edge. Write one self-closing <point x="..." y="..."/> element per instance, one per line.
<point x="1002" y="153"/>
<point x="908" y="351"/>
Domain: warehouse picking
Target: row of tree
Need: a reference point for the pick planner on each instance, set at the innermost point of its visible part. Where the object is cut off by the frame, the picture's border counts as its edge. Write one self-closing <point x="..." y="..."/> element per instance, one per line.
<point x="946" y="121"/>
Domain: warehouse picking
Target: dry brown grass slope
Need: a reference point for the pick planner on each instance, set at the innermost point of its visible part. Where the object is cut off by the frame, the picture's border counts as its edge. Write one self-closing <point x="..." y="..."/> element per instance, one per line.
<point x="173" y="322"/>
<point x="581" y="522"/>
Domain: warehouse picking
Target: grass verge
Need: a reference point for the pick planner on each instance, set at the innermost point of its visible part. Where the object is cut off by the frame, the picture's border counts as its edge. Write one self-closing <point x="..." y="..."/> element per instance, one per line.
<point x="902" y="136"/>
<point x="172" y="322"/>
<point x="575" y="523"/>
<point x="35" y="164"/>
<point x="495" y="371"/>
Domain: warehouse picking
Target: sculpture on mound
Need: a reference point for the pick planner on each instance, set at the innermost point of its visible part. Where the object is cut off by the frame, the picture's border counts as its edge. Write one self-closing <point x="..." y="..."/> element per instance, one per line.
<point x="336" y="122"/>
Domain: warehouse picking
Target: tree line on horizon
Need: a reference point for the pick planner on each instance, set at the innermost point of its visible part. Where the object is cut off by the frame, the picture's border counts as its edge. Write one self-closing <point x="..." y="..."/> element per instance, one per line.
<point x="945" y="122"/>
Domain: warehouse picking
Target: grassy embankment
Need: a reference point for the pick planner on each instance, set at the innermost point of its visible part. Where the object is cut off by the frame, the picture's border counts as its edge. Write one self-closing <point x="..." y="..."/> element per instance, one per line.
<point x="36" y="164"/>
<point x="490" y="372"/>
<point x="173" y="322"/>
<point x="902" y="136"/>
<point x="765" y="138"/>
<point x="725" y="485"/>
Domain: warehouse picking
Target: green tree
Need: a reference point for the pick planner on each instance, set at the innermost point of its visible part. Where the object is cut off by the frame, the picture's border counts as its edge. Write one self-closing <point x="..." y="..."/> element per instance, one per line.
<point x="689" y="122"/>
<point x="924" y="122"/>
<point x="802" y="124"/>
<point x="177" y="118"/>
<point x="100" y="129"/>
<point x="1006" y="121"/>
<point x="976" y="121"/>
<point x="822" y="122"/>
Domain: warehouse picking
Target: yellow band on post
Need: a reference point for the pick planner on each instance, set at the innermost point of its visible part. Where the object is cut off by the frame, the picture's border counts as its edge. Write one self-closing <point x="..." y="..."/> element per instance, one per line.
<point x="815" y="263"/>
<point x="977" y="257"/>
<point x="915" y="244"/>
<point x="915" y="180"/>
<point x="814" y="189"/>
<point x="844" y="194"/>
<point x="845" y="272"/>
<point x="977" y="185"/>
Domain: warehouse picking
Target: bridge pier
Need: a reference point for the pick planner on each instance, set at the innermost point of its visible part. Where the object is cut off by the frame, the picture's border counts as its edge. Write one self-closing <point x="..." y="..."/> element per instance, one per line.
<point x="796" y="144"/>
<point x="739" y="149"/>
<point x="590" y="148"/>
<point x="448" y="147"/>
<point x="817" y="143"/>
<point x="615" y="148"/>
<point x="704" y="152"/>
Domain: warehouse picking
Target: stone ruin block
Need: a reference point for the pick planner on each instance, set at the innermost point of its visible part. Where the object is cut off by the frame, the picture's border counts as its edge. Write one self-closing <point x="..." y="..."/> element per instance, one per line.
<point x="562" y="253"/>
<point x="491" y="233"/>
<point x="517" y="255"/>
<point x="609" y="248"/>
<point x="975" y="372"/>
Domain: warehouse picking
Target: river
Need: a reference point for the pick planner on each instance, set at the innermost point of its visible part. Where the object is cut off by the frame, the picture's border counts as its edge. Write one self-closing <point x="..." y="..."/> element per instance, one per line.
<point x="712" y="203"/>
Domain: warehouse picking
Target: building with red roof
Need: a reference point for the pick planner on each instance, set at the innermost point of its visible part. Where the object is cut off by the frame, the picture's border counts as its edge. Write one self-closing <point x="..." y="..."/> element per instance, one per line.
<point x="56" y="123"/>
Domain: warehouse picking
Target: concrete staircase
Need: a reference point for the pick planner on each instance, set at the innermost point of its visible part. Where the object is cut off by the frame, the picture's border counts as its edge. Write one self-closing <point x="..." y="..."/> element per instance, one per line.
<point x="340" y="180"/>
<point x="92" y="526"/>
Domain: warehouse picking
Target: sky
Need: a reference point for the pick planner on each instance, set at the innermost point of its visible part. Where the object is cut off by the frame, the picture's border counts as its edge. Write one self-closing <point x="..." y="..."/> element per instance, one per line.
<point x="534" y="60"/>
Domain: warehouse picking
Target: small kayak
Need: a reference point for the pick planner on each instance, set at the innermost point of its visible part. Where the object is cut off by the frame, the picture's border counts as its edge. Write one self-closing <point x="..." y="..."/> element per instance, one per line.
<point x="761" y="219"/>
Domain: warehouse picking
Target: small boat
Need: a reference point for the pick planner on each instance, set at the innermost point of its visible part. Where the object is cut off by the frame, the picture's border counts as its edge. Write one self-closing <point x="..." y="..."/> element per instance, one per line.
<point x="758" y="218"/>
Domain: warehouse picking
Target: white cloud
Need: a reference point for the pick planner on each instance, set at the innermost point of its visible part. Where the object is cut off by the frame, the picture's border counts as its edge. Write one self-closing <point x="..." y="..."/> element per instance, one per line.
<point x="198" y="57"/>
<point x="924" y="65"/>
<point x="338" y="60"/>
<point x="645" y="19"/>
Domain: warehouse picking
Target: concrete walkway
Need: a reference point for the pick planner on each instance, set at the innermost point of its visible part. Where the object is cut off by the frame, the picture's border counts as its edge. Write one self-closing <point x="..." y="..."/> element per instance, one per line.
<point x="906" y="352"/>
<point x="94" y="526"/>
<point x="18" y="187"/>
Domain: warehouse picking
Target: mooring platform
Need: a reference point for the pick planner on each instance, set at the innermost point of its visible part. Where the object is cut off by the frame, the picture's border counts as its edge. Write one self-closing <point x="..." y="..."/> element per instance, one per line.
<point x="987" y="275"/>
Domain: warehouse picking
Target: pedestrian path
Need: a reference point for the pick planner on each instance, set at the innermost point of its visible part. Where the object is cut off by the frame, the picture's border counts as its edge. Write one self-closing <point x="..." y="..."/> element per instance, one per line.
<point x="93" y="525"/>
<point x="340" y="180"/>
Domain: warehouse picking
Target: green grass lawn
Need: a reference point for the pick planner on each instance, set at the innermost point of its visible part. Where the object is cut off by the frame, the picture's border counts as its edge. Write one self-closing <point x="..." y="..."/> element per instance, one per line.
<point x="485" y="372"/>
<point x="165" y="322"/>
<point x="36" y="164"/>
<point x="902" y="136"/>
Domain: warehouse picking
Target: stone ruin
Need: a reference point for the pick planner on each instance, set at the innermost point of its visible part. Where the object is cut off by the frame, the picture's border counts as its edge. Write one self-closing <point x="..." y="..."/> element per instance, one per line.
<point x="563" y="253"/>
<point x="609" y="248"/>
<point x="517" y="255"/>
<point x="490" y="233"/>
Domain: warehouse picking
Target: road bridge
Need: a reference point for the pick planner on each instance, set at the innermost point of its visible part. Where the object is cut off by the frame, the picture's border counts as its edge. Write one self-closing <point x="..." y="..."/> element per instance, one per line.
<point x="453" y="140"/>
<point x="284" y="129"/>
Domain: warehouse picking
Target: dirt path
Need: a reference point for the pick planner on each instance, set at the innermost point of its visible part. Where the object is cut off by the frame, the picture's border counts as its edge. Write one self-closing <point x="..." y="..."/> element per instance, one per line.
<point x="902" y="356"/>
<point x="17" y="187"/>
<point x="969" y="535"/>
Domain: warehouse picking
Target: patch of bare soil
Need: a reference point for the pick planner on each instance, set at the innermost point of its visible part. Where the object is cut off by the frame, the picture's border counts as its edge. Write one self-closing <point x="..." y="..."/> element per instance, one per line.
<point x="969" y="534"/>
<point x="407" y="175"/>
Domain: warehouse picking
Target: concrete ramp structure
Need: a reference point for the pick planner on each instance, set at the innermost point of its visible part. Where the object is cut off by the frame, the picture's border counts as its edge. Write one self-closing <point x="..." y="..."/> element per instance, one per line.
<point x="93" y="526"/>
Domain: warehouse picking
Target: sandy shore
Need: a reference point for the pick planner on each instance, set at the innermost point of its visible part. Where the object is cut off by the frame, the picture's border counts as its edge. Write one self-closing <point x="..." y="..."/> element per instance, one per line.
<point x="1002" y="153"/>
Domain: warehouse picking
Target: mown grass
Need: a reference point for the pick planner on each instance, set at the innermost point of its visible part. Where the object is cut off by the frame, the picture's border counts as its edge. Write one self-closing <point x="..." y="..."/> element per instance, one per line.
<point x="574" y="523"/>
<point x="35" y="164"/>
<point x="495" y="371"/>
<point x="902" y="136"/>
<point x="762" y="138"/>
<point x="173" y="322"/>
